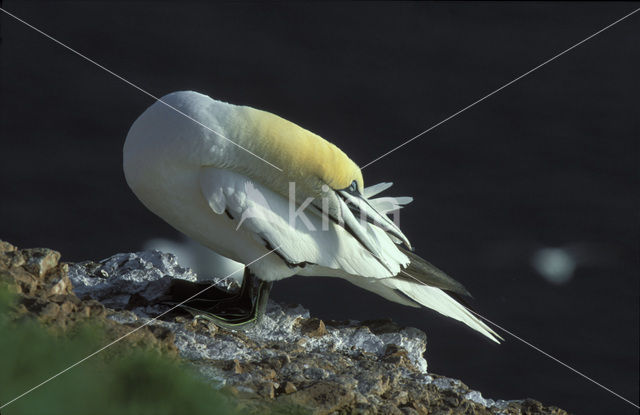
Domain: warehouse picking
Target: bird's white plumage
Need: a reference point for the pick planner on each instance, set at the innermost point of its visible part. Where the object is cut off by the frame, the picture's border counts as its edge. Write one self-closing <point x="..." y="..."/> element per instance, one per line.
<point x="267" y="218"/>
<point x="238" y="206"/>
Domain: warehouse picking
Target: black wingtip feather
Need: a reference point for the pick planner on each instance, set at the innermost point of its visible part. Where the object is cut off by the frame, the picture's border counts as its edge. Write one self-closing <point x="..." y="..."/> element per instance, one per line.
<point x="427" y="273"/>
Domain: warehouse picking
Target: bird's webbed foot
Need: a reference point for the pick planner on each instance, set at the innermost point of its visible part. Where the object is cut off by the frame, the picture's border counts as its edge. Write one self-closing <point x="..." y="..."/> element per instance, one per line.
<point x="235" y="311"/>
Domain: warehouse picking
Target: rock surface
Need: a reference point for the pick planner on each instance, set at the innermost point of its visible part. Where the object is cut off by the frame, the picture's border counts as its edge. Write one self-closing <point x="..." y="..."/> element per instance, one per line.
<point x="289" y="358"/>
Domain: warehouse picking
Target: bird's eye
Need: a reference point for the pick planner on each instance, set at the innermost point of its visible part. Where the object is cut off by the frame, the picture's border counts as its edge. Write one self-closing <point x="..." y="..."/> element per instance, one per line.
<point x="353" y="187"/>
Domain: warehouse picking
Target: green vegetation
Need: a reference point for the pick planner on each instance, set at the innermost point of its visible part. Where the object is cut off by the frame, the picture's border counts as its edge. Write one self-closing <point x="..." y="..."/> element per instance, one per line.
<point x="120" y="380"/>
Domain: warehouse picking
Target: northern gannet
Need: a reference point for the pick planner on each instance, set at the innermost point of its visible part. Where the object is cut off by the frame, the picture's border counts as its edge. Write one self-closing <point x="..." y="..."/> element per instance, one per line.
<point x="312" y="209"/>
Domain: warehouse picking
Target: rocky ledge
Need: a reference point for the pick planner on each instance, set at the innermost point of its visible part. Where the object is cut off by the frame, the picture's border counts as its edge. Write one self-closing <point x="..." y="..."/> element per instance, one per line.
<point x="287" y="360"/>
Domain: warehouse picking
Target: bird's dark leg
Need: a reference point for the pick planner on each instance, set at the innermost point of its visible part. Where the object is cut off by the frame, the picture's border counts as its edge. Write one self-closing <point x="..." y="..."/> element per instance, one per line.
<point x="240" y="310"/>
<point x="211" y="300"/>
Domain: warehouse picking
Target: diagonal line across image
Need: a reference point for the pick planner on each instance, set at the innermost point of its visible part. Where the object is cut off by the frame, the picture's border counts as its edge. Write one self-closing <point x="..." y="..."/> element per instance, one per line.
<point x="138" y="87"/>
<point x="499" y="89"/>
<point x="276" y="167"/>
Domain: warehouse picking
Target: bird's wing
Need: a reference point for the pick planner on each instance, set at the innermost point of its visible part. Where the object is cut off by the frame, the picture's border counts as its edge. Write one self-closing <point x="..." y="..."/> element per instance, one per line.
<point x="305" y="238"/>
<point x="420" y="283"/>
<point x="422" y="271"/>
<point x="403" y="277"/>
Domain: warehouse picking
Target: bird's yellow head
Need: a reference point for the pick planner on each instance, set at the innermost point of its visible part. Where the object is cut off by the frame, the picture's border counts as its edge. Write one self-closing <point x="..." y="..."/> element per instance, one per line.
<point x="303" y="155"/>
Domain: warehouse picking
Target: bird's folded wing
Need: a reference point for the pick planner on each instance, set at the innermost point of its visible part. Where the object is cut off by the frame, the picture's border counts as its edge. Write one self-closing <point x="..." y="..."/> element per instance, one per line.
<point x="301" y="237"/>
<point x="423" y="272"/>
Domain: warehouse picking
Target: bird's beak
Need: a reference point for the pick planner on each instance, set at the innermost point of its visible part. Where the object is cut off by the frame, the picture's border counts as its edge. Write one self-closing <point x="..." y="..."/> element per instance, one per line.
<point x="360" y="206"/>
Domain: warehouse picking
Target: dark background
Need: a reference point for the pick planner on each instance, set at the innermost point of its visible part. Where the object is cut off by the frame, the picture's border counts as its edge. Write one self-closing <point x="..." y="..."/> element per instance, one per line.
<point x="550" y="161"/>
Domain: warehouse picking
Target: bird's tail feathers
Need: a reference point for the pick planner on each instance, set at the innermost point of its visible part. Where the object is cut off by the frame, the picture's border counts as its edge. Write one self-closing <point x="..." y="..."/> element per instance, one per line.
<point x="440" y="301"/>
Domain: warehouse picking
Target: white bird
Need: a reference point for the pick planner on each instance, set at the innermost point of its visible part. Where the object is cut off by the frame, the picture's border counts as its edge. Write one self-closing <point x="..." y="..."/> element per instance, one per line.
<point x="200" y="174"/>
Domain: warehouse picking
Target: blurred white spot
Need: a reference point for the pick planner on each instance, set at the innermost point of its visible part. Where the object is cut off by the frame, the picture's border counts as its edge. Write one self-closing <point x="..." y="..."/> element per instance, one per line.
<point x="206" y="263"/>
<point x="556" y="265"/>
